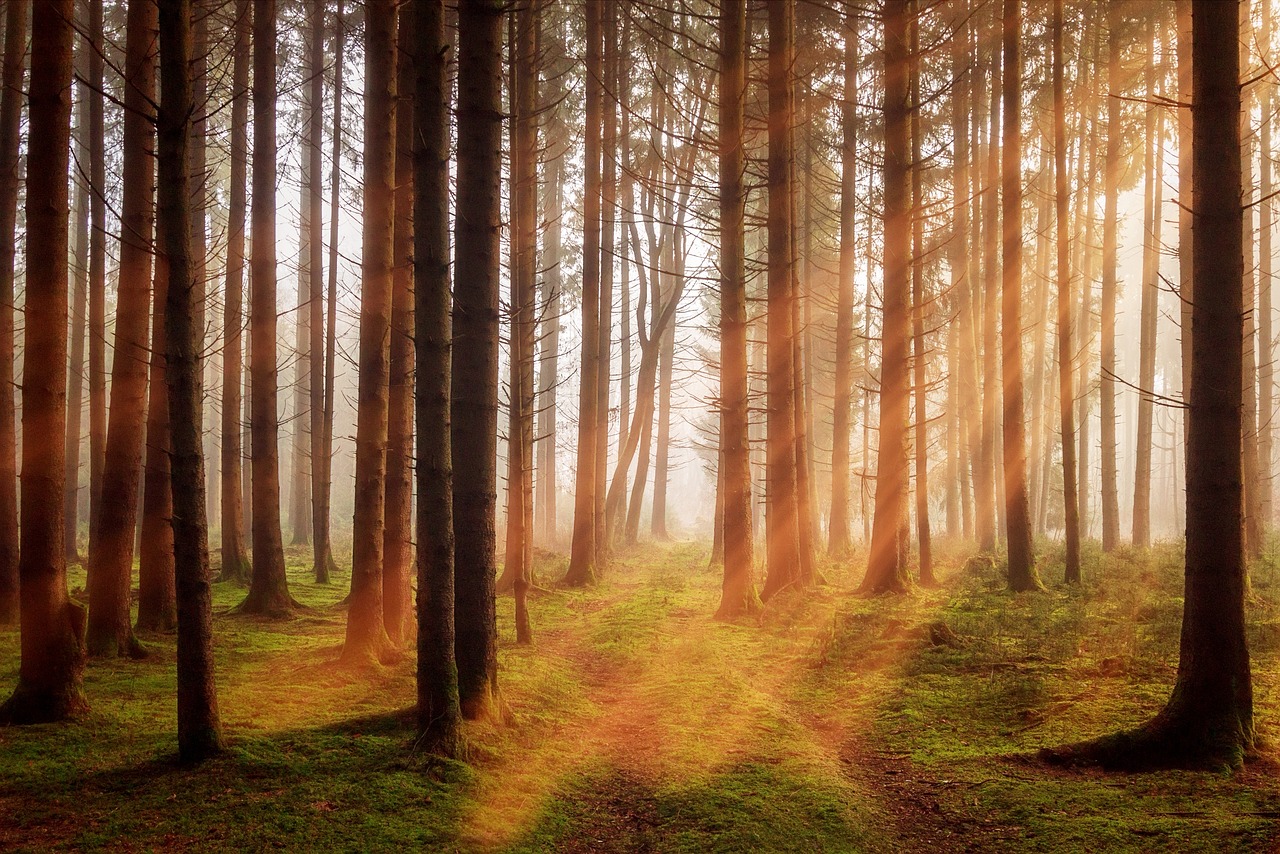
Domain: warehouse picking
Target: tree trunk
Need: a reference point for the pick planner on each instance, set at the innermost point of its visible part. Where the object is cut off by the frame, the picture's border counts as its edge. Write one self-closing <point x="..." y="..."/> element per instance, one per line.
<point x="15" y="48"/>
<point x="919" y="379"/>
<point x="1022" y="562"/>
<point x="321" y="557"/>
<point x="1266" y="343"/>
<point x="111" y="539"/>
<point x="838" y="537"/>
<point x="1110" y="493"/>
<point x="608" y="248"/>
<point x="269" y="588"/>
<point x="97" y="265"/>
<point x="79" y="310"/>
<point x="1066" y="355"/>
<point x="199" y="729"/>
<point x="475" y="353"/>
<point x="1253" y="523"/>
<point x="300" y="440"/>
<point x="397" y="591"/>
<point x="886" y="570"/>
<point x="439" y="716"/>
<point x="1150" y="300"/>
<point x="50" y="677"/>
<point x="367" y="640"/>
<point x="582" y="559"/>
<point x="782" y="524"/>
<point x="988" y="485"/>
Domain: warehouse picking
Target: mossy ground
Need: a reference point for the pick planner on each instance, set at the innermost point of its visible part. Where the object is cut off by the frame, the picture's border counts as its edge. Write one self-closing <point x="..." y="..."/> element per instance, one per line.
<point x="831" y="723"/>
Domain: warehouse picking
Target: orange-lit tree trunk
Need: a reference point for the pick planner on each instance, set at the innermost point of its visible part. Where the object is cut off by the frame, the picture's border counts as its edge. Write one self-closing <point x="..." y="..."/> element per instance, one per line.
<point x="1022" y="564"/>
<point x="397" y="592"/>
<point x="1150" y="299"/>
<point x="738" y="591"/>
<point x="367" y="639"/>
<point x="79" y="310"/>
<point x="111" y="539"/>
<point x="97" y="264"/>
<point x="269" y="588"/>
<point x="1253" y="527"/>
<point x="15" y="48"/>
<point x="199" y="729"/>
<point x="920" y="376"/>
<point x="582" y="558"/>
<point x="321" y="556"/>
<point x="1110" y="494"/>
<point x="989" y="526"/>
<point x="50" y="676"/>
<point x="474" y="378"/>
<point x="1066" y="353"/>
<point x="608" y="248"/>
<point x="235" y="561"/>
<point x="886" y="570"/>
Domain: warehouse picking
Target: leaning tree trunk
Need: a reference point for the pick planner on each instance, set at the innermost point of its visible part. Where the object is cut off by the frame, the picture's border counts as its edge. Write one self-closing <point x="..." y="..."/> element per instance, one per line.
<point x="50" y="676"/>
<point x="439" y="716"/>
<point x="474" y="379"/>
<point x="269" y="588"/>
<point x="15" y="47"/>
<point x="199" y="729"/>
<point x="886" y="570"/>
<point x="111" y="534"/>
<point x="367" y="639"/>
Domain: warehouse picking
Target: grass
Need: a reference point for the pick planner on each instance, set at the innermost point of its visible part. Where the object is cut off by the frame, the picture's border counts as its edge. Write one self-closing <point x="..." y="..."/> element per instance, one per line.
<point x="832" y="723"/>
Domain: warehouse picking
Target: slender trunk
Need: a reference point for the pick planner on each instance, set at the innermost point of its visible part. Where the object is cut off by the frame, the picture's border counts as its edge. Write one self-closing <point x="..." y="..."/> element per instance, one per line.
<point x="608" y="247"/>
<point x="886" y="570"/>
<point x="1150" y="300"/>
<point x="199" y="729"/>
<point x="315" y="299"/>
<point x="79" y="309"/>
<point x="111" y="540"/>
<point x="838" y="537"/>
<point x="50" y="676"/>
<point x="15" y="48"/>
<point x="1253" y="523"/>
<point x="397" y="591"/>
<point x="1266" y="344"/>
<point x="989" y="488"/>
<point x="1110" y="494"/>
<point x="582" y="560"/>
<point x="269" y="588"/>
<point x="919" y="378"/>
<point x="300" y="438"/>
<point x="367" y="639"/>
<point x="97" y="264"/>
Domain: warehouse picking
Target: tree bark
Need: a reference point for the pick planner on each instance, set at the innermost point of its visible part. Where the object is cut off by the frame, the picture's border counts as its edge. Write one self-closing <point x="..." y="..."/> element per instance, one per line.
<point x="111" y="539"/>
<point x="15" y="48"/>
<point x="919" y="379"/>
<point x="51" y="673"/>
<point x="1150" y="300"/>
<point x="269" y="588"/>
<point x="838" y="538"/>
<point x="199" y="728"/>
<point x="97" y="264"/>
<point x="321" y="557"/>
<point x="1110" y="494"/>
<point x="475" y="354"/>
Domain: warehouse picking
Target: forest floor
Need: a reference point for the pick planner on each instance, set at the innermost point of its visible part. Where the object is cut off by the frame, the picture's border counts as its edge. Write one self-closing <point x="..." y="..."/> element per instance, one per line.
<point x="832" y="722"/>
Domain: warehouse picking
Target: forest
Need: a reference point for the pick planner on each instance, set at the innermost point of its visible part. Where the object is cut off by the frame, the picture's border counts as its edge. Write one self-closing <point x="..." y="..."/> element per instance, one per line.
<point x="639" y="425"/>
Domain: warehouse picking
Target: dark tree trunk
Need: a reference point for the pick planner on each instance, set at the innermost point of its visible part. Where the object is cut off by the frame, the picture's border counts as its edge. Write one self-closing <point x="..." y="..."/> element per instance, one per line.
<point x="111" y="539"/>
<point x="199" y="729"/>
<point x="269" y="588"/>
<point x="50" y="677"/>
<point x="439" y="715"/>
<point x="15" y="47"/>
<point x="300" y="517"/>
<point x="886" y="570"/>
<point x="397" y="591"/>
<point x="474" y="379"/>
<point x="367" y="639"/>
<point x="79" y="310"/>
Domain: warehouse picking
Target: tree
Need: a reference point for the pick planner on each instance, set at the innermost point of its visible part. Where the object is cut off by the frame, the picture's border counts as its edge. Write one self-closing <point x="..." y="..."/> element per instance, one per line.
<point x="111" y="534"/>
<point x="51" y="673"/>
<point x="782" y="524"/>
<point x="838" y="539"/>
<point x="439" y="714"/>
<point x="366" y="630"/>
<point x="1066" y="355"/>
<point x="738" y="591"/>
<point x="15" y="48"/>
<point x="1111" y="191"/>
<point x="235" y="562"/>
<point x="269" y="588"/>
<point x="397" y="591"/>
<point x="584" y="550"/>
<point x="474" y="377"/>
<point x="79" y="317"/>
<point x="886" y="569"/>
<point x="97" y="264"/>
<point x="1208" y="720"/>
<point x="919" y="372"/>
<point x="199" y="729"/>
<point x="1022" y="565"/>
